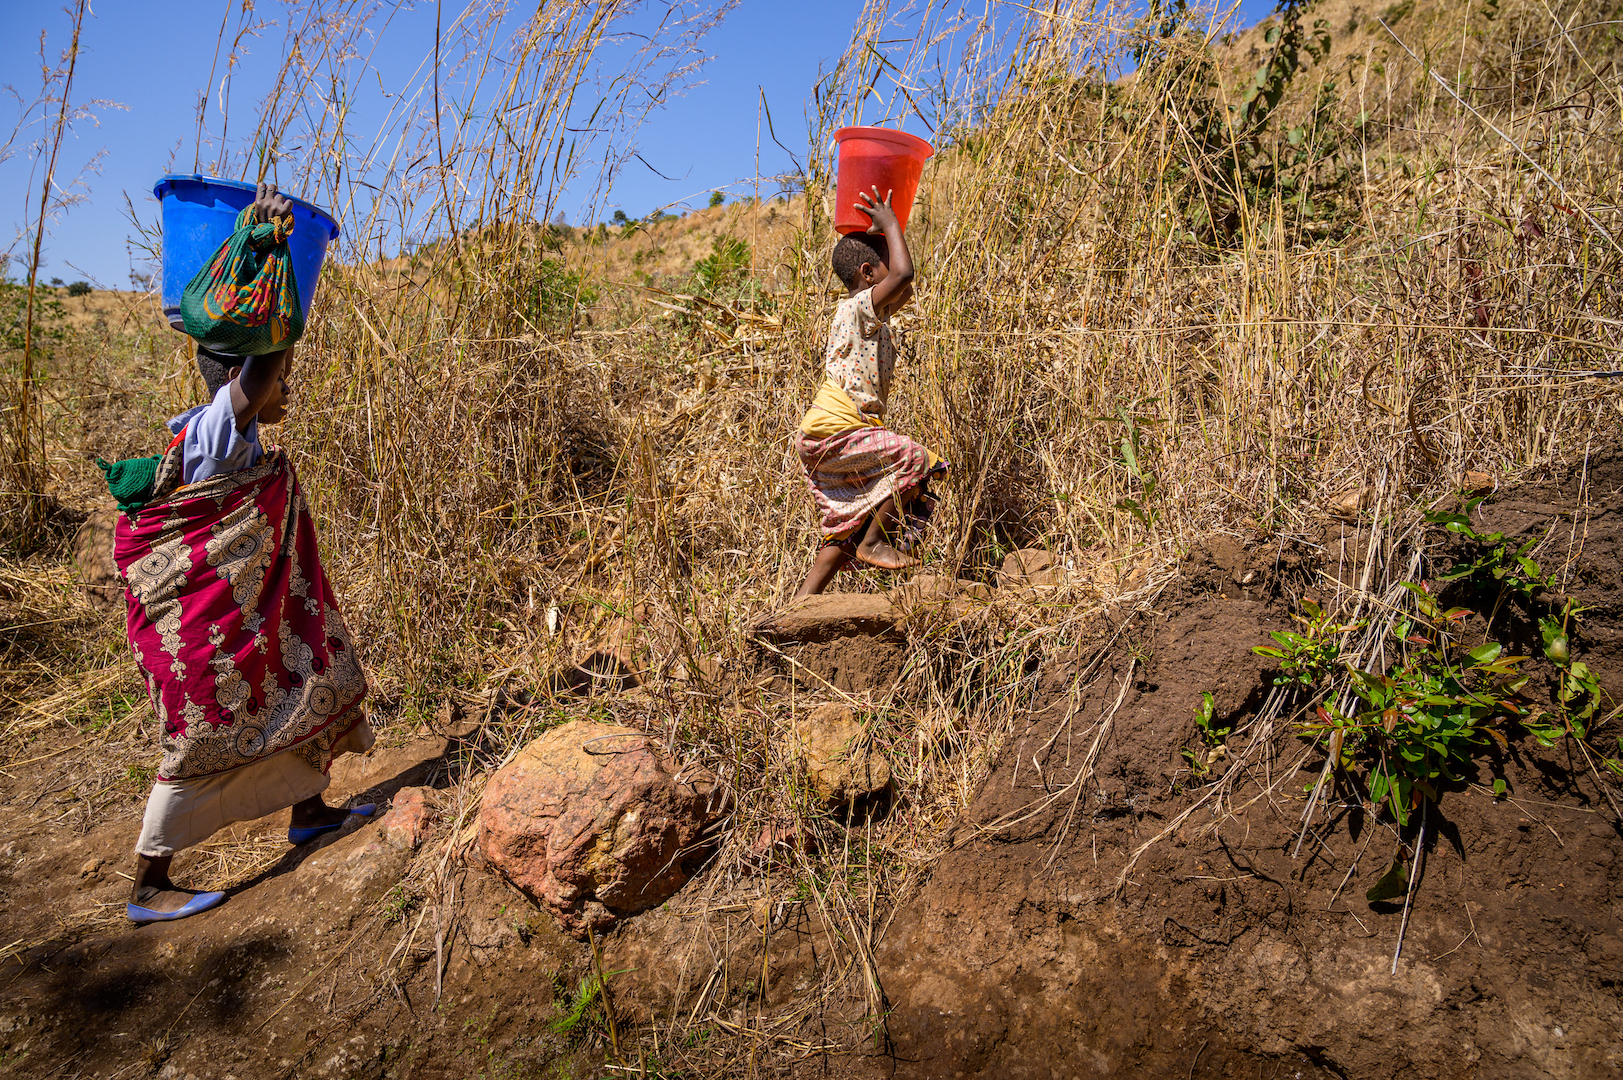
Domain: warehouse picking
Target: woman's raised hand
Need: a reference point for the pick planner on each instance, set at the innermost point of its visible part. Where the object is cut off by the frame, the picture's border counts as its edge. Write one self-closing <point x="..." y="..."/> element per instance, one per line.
<point x="269" y="203"/>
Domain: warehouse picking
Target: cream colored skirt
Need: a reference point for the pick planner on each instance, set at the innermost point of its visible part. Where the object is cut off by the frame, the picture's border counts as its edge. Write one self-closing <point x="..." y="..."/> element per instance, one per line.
<point x="183" y="813"/>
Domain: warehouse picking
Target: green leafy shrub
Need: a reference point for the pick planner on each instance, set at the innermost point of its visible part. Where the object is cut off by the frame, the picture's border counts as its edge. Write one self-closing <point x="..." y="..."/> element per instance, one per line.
<point x="1307" y="657"/>
<point x="1420" y="723"/>
<point x="554" y="294"/>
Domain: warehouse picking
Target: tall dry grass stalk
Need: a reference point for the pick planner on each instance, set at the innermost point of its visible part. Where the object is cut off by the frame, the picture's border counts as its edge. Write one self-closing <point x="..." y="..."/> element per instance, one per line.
<point x="42" y="124"/>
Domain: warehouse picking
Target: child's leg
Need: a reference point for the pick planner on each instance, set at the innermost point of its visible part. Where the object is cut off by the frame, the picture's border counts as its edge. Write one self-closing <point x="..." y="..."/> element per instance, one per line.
<point x="875" y="548"/>
<point x="831" y="558"/>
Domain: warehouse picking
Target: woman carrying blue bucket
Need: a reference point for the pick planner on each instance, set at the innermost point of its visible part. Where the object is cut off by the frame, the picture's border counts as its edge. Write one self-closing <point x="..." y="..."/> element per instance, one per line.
<point x="251" y="670"/>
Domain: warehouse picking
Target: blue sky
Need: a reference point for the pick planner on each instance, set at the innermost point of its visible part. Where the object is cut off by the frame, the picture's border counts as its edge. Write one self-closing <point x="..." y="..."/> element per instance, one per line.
<point x="154" y="67"/>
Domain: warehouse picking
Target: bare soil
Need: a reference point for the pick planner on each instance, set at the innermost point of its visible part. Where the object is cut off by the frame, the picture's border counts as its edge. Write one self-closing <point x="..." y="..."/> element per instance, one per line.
<point x="1042" y="948"/>
<point x="1039" y="946"/>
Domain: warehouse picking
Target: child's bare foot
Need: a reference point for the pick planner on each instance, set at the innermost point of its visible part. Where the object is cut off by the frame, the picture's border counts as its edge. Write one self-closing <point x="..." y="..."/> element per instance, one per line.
<point x="876" y="548"/>
<point x="883" y="555"/>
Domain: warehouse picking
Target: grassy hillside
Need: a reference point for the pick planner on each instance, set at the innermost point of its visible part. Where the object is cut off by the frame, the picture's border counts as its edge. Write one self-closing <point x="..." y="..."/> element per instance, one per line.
<point x="1142" y="318"/>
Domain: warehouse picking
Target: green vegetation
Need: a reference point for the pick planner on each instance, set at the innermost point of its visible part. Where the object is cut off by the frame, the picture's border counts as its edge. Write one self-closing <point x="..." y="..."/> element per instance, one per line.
<point x="1306" y="657"/>
<point x="554" y="294"/>
<point x="1419" y="725"/>
<point x="724" y="271"/>
<point x="1212" y="734"/>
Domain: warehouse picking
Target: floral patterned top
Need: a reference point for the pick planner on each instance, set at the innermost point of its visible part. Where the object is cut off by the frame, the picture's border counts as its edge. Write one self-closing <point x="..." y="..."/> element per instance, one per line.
<point x="861" y="356"/>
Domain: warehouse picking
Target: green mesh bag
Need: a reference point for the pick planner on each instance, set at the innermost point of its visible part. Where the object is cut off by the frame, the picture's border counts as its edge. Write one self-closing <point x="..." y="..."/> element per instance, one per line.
<point x="246" y="300"/>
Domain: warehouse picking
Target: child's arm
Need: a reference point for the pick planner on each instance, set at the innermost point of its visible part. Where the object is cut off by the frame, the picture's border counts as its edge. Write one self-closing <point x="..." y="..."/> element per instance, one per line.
<point x="890" y="294"/>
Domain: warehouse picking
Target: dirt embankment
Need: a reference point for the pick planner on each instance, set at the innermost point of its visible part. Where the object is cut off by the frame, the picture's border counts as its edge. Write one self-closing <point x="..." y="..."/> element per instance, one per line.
<point x="1095" y="918"/>
<point x="1085" y="927"/>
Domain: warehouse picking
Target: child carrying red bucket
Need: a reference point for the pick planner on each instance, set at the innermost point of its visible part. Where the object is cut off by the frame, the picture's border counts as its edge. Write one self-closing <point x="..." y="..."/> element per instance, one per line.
<point x="869" y="483"/>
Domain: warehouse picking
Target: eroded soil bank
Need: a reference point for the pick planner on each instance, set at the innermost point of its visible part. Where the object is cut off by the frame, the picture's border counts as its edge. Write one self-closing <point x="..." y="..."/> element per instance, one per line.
<point x="1094" y="917"/>
<point x="1084" y="927"/>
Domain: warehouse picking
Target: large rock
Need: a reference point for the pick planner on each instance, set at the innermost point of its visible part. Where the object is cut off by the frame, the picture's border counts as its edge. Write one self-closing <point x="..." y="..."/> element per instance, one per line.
<point x="840" y="762"/>
<point x="596" y="823"/>
<point x="831" y="615"/>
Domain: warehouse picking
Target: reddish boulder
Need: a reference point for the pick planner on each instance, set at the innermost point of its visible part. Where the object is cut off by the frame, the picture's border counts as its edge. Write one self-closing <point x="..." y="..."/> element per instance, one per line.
<point x="409" y="819"/>
<point x="597" y="823"/>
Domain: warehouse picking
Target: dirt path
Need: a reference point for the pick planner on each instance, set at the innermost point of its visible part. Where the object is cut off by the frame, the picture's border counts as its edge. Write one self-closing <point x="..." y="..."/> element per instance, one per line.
<point x="1093" y="918"/>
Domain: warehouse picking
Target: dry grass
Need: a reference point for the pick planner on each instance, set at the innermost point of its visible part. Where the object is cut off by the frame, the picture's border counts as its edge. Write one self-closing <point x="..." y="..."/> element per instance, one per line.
<point x="497" y="485"/>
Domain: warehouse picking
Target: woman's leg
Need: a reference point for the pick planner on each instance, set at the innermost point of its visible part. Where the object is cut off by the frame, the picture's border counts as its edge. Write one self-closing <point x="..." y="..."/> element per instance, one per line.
<point x="152" y="888"/>
<point x="875" y="548"/>
<point x="314" y="812"/>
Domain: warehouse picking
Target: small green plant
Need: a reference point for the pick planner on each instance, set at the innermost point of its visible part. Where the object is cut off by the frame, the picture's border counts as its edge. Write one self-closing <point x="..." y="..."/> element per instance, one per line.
<point x="399" y="902"/>
<point x="575" y="1007"/>
<point x="1491" y="558"/>
<point x="1493" y="561"/>
<point x="1132" y="449"/>
<point x="1307" y="657"/>
<point x="1212" y="734"/>
<point x="1425" y="719"/>
<point x="79" y="288"/>
<point x="717" y="198"/>
<point x="582" y="1011"/>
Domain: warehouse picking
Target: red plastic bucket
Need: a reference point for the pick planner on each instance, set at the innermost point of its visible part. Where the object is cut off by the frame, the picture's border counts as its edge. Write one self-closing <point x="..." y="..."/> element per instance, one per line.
<point x="876" y="157"/>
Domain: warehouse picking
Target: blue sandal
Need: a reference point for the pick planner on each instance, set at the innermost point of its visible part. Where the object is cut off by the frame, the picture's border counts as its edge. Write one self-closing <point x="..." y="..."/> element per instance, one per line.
<point x="199" y="903"/>
<point x="301" y="836"/>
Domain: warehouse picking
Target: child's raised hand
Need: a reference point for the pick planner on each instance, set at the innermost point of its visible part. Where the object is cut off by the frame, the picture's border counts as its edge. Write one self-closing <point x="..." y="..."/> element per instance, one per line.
<point x="268" y="203"/>
<point x="878" y="209"/>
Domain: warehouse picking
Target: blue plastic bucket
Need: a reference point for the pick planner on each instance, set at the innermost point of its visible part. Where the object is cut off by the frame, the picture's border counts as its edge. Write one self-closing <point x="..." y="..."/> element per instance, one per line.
<point x="200" y="213"/>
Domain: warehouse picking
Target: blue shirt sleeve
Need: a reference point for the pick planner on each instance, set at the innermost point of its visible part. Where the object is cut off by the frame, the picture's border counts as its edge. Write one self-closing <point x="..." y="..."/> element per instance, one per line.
<point x="213" y="444"/>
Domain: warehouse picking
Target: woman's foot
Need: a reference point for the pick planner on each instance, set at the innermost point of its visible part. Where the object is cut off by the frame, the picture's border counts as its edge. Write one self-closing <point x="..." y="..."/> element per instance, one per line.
<point x="314" y="813"/>
<point x="152" y="888"/>
<point x="162" y="901"/>
<point x="313" y="818"/>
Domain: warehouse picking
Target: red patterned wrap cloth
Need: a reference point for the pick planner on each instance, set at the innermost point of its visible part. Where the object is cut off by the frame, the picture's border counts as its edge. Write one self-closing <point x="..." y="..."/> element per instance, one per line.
<point x="851" y="473"/>
<point x="234" y="625"/>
